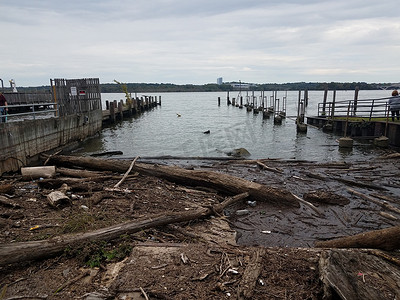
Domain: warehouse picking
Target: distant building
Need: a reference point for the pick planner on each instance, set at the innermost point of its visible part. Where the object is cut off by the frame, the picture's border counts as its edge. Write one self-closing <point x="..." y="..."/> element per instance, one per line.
<point x="239" y="85"/>
<point x="219" y="80"/>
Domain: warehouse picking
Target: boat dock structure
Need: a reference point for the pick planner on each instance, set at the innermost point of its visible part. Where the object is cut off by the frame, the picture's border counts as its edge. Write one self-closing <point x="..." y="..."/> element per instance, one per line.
<point x="356" y="118"/>
<point x="71" y="112"/>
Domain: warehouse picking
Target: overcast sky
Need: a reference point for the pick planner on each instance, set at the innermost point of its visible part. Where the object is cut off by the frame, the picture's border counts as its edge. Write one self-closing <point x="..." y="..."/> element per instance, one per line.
<point x="197" y="41"/>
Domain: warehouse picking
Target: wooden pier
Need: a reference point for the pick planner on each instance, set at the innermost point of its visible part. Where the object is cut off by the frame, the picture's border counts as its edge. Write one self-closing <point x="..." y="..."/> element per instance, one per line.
<point x="116" y="111"/>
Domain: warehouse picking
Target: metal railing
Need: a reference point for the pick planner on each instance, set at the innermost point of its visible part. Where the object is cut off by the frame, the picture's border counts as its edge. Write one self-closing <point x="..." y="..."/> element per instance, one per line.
<point x="31" y="112"/>
<point x="362" y="108"/>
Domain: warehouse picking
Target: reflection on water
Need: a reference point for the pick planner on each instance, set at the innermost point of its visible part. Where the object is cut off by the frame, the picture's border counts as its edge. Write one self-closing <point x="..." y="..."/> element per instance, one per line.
<point x="162" y="132"/>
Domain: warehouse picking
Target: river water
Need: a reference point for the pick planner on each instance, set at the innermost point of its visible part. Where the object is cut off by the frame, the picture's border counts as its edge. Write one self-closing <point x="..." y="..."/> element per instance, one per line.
<point x="161" y="132"/>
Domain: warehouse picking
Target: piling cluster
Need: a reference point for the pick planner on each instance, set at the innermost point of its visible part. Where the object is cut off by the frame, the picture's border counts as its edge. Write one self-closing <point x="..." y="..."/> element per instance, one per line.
<point x="270" y="106"/>
<point x="118" y="110"/>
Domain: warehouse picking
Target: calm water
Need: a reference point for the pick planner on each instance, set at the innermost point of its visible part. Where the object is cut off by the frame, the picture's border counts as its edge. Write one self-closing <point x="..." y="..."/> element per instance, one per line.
<point x="161" y="132"/>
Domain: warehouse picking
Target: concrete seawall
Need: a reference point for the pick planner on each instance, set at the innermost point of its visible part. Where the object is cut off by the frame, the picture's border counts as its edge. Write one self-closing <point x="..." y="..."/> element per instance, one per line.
<point x="22" y="142"/>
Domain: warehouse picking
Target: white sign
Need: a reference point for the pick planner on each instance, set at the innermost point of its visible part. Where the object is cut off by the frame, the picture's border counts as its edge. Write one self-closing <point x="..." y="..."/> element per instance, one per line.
<point x="74" y="91"/>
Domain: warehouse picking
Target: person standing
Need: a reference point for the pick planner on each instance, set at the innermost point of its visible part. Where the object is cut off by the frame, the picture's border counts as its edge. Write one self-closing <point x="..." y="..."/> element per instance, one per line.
<point x="3" y="108"/>
<point x="394" y="105"/>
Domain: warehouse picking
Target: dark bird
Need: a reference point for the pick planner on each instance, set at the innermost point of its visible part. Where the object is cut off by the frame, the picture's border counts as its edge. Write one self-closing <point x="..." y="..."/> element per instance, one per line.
<point x="207" y="132"/>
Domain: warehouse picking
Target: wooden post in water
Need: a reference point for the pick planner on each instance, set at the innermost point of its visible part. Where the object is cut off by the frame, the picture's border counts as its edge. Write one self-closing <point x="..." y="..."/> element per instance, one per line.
<point x="219" y="101"/>
<point x="228" y="102"/>
<point x="346" y="142"/>
<point x="355" y="100"/>
<point x="113" y="105"/>
<point x="306" y="98"/>
<point x="333" y="104"/>
<point x="107" y="105"/>
<point x="324" y="102"/>
<point x="120" y="113"/>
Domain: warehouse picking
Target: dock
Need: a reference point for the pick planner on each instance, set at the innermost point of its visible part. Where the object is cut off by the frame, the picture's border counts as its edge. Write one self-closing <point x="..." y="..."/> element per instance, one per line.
<point x="118" y="110"/>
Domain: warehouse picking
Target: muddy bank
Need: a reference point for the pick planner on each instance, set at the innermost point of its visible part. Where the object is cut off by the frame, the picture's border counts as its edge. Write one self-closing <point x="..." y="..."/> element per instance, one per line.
<point x="207" y="258"/>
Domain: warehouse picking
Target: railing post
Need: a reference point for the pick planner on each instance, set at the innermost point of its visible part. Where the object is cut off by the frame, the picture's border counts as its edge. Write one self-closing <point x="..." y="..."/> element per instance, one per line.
<point x="372" y="108"/>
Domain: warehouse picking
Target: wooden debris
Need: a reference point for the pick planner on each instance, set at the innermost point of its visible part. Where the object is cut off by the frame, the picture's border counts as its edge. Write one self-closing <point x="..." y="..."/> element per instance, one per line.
<point x="144" y="293"/>
<point x="23" y="251"/>
<point x="79" y="173"/>
<point x="312" y="206"/>
<point x="358" y="275"/>
<point x="7" y="189"/>
<point x="265" y="167"/>
<point x="325" y="197"/>
<point x="222" y="182"/>
<point x="388" y="216"/>
<point x="386" y="256"/>
<point x="6" y="202"/>
<point x="251" y="273"/>
<point x="127" y="172"/>
<point x="380" y="203"/>
<point x="38" y="172"/>
<point x="385" y="239"/>
<point x="48" y="158"/>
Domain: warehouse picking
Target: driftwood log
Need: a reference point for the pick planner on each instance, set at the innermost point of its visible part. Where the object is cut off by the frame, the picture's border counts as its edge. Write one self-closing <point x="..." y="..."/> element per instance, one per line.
<point x="37" y="172"/>
<point x="385" y="239"/>
<point x="251" y="274"/>
<point x="358" y="275"/>
<point x="32" y="250"/>
<point x="223" y="183"/>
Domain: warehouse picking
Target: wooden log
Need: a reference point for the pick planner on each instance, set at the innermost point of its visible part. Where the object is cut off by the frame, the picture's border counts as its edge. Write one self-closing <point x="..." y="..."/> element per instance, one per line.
<point x="358" y="275"/>
<point x="251" y="273"/>
<point x="380" y="203"/>
<point x="38" y="172"/>
<point x="79" y="173"/>
<point x="218" y="181"/>
<point x="25" y="251"/>
<point x="385" y="239"/>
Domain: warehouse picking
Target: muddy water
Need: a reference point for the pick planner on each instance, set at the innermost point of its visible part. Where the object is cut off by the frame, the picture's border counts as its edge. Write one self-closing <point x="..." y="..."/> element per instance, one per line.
<point x="268" y="225"/>
<point x="177" y="128"/>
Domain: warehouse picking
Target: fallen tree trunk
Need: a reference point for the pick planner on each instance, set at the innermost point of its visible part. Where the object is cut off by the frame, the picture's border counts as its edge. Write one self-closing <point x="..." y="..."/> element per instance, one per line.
<point x="25" y="251"/>
<point x="385" y="239"/>
<point x="221" y="182"/>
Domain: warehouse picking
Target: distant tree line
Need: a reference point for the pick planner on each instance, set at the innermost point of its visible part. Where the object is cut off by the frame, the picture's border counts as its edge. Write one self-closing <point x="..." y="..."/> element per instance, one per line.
<point x="211" y="87"/>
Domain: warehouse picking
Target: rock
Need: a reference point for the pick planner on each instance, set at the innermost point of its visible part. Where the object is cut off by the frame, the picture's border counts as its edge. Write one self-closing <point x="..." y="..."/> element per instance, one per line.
<point x="240" y="152"/>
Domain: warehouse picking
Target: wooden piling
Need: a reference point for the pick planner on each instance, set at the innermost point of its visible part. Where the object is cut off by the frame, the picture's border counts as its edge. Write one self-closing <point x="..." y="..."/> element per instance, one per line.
<point x="324" y="102"/>
<point x="357" y="89"/>
<point x="219" y="101"/>
<point x="112" y="112"/>
<point x="120" y="113"/>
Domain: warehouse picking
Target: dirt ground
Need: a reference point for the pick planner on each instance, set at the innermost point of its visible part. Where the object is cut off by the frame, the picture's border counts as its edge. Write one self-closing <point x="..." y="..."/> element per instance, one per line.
<point x="209" y="258"/>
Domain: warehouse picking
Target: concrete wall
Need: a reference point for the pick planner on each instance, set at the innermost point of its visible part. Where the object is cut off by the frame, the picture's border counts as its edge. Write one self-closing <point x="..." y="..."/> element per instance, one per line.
<point x="22" y="142"/>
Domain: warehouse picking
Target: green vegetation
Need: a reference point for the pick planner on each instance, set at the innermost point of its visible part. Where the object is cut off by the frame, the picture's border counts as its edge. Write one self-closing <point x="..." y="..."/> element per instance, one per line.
<point x="94" y="254"/>
<point x="213" y="87"/>
<point x="98" y="253"/>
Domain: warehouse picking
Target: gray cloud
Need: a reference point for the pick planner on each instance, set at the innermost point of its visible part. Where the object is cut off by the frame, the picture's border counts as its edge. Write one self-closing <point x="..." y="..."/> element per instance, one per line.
<point x="197" y="41"/>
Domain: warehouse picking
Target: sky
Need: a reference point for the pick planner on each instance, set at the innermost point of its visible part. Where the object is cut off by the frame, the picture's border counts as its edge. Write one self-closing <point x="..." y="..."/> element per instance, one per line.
<point x="197" y="41"/>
